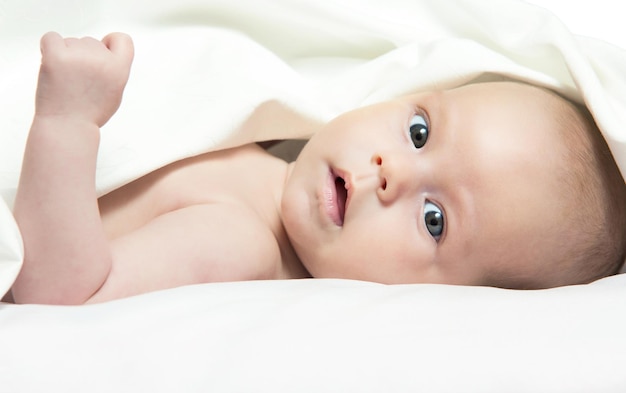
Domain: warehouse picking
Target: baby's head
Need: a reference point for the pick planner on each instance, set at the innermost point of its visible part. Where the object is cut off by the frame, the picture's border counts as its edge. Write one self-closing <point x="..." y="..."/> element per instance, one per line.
<point x="498" y="184"/>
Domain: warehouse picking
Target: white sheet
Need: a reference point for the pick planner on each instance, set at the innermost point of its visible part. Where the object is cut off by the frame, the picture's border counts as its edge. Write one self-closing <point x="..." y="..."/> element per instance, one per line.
<point x="192" y="84"/>
<point x="322" y="336"/>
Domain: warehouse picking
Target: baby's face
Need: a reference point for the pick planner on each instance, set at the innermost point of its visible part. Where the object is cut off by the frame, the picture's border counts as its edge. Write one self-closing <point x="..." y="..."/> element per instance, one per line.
<point x="445" y="187"/>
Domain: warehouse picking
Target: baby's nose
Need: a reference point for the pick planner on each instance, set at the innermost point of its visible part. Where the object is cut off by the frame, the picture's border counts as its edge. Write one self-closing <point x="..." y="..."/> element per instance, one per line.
<point x="396" y="175"/>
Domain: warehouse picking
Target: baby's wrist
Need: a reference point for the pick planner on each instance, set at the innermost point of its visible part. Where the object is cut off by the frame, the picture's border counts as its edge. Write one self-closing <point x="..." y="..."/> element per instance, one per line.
<point x="64" y="122"/>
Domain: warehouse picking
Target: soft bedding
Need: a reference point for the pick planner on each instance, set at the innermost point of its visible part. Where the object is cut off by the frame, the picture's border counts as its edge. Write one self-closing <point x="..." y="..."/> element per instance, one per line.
<point x="202" y="69"/>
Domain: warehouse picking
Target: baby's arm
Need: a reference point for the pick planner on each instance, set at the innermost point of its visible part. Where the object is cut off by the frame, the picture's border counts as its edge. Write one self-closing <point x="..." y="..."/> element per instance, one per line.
<point x="67" y="256"/>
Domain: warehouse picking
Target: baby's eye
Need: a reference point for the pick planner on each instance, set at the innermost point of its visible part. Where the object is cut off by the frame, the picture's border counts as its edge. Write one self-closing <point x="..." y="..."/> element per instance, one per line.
<point x="418" y="131"/>
<point x="433" y="217"/>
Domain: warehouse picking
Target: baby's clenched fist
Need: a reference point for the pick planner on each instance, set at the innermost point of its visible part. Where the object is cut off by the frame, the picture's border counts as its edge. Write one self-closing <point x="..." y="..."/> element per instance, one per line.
<point x="84" y="78"/>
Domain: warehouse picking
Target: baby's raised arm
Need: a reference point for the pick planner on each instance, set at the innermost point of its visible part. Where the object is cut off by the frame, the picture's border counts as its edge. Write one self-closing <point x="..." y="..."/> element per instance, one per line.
<point x="80" y="87"/>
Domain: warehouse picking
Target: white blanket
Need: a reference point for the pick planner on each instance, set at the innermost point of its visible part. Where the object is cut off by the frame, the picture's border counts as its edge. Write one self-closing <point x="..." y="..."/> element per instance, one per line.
<point x="201" y="68"/>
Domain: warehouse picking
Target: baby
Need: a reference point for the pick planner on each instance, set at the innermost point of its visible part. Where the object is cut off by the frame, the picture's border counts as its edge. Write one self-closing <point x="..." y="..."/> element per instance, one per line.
<point x="500" y="184"/>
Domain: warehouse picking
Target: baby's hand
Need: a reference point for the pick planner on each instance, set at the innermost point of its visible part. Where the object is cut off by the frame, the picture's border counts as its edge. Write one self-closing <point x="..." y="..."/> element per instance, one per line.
<point x="83" y="79"/>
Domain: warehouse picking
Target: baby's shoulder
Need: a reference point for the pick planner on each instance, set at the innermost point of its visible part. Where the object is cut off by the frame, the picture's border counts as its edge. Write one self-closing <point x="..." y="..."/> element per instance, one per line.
<point x="229" y="241"/>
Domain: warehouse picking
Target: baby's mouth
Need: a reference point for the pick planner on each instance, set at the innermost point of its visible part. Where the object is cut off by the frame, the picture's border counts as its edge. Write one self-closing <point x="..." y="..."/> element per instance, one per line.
<point x="342" y="197"/>
<point x="336" y="196"/>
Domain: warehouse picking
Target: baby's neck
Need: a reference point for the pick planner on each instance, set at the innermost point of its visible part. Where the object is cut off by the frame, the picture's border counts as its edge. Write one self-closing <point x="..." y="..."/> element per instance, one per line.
<point x="286" y="151"/>
<point x="291" y="265"/>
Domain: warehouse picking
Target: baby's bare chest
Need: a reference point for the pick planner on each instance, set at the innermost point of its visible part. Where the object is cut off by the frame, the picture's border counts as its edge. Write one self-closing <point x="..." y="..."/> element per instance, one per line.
<point x="245" y="178"/>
